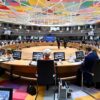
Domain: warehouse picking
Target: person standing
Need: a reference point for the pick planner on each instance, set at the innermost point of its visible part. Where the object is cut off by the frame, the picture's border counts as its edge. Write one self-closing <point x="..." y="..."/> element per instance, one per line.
<point x="58" y="43"/>
<point x="65" y="43"/>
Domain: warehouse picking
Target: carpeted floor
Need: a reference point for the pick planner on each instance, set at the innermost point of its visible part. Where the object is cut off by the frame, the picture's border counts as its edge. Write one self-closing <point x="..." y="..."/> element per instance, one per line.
<point x="20" y="86"/>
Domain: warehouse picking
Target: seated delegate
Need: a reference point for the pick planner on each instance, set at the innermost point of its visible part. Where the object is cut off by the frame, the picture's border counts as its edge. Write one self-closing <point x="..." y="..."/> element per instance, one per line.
<point x="46" y="54"/>
<point x="7" y="55"/>
<point x="86" y="67"/>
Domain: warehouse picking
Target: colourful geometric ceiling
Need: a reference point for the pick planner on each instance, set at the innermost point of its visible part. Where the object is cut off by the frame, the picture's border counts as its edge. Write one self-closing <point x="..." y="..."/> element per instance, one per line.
<point x="50" y="12"/>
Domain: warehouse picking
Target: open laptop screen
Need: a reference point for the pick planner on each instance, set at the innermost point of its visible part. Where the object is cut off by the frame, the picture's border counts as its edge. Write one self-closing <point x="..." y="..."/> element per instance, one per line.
<point x="6" y="93"/>
<point x="79" y="55"/>
<point x="16" y="55"/>
<point x="2" y="52"/>
<point x="59" y="55"/>
<point x="37" y="56"/>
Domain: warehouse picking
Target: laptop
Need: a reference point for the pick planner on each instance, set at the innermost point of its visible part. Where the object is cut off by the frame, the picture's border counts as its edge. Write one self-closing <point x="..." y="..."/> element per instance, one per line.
<point x="6" y="93"/>
<point x="59" y="55"/>
<point x="37" y="56"/>
<point x="79" y="55"/>
<point x="16" y="55"/>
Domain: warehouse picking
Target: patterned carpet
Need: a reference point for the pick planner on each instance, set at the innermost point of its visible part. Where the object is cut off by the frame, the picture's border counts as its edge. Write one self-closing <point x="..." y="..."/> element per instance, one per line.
<point x="20" y="86"/>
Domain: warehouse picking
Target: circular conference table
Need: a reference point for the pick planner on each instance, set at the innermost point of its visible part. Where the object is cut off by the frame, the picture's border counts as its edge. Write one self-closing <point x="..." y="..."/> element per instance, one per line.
<point x="23" y="68"/>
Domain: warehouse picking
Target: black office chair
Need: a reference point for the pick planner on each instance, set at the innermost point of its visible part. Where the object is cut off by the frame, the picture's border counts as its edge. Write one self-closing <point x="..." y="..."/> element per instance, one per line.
<point x="93" y="76"/>
<point x="96" y="71"/>
<point x="89" y="76"/>
<point x="46" y="72"/>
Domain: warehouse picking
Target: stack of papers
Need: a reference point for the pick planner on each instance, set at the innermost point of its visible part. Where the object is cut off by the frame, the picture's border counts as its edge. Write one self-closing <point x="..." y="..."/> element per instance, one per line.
<point x="33" y="63"/>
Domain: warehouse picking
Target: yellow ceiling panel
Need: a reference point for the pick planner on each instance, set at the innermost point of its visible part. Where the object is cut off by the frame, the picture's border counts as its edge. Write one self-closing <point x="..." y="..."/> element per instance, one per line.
<point x="37" y="2"/>
<point x="22" y="8"/>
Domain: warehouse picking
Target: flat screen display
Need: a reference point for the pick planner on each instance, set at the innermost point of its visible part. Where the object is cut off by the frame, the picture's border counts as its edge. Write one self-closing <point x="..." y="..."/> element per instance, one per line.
<point x="16" y="55"/>
<point x="79" y="55"/>
<point x="6" y="93"/>
<point x="37" y="56"/>
<point x="59" y="55"/>
<point x="49" y="38"/>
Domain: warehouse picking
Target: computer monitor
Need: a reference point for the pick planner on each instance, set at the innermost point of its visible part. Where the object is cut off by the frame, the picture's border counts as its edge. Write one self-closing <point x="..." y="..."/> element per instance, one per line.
<point x="2" y="52"/>
<point x="59" y="55"/>
<point x="6" y="93"/>
<point x="16" y="55"/>
<point x="79" y="55"/>
<point x="37" y="56"/>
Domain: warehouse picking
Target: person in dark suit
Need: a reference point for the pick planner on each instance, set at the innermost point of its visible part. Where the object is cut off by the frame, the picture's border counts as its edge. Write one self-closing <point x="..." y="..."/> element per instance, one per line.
<point x="87" y="66"/>
<point x="90" y="58"/>
<point x="58" y="43"/>
<point x="64" y="43"/>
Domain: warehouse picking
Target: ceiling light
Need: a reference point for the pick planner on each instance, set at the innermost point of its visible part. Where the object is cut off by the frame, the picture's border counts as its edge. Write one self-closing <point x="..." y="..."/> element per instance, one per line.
<point x="67" y="28"/>
<point x="20" y="27"/>
<point x="79" y="27"/>
<point x="91" y="26"/>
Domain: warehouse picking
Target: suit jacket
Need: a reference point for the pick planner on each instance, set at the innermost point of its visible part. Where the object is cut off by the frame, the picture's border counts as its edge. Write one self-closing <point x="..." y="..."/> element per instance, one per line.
<point x="89" y="61"/>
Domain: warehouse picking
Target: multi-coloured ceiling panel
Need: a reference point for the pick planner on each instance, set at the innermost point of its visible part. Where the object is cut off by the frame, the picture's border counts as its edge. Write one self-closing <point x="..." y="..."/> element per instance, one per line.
<point x="50" y="12"/>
